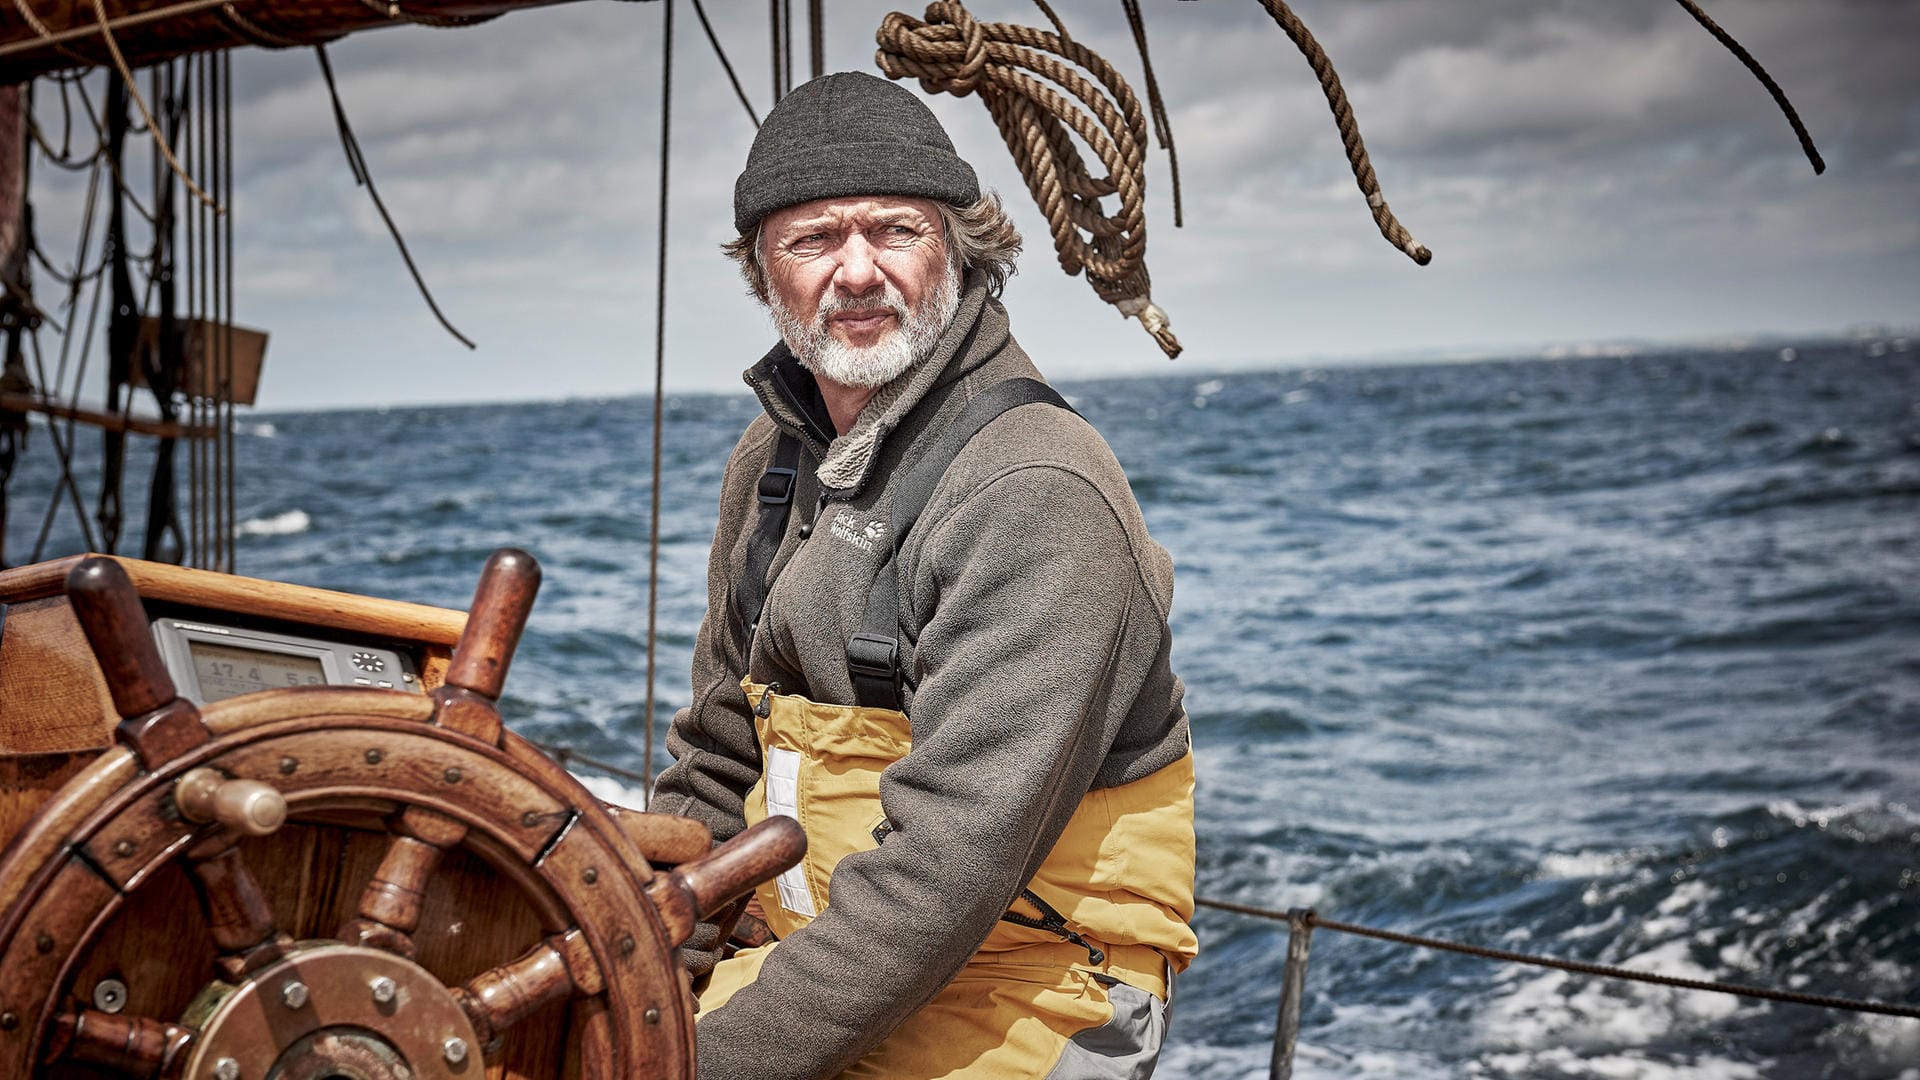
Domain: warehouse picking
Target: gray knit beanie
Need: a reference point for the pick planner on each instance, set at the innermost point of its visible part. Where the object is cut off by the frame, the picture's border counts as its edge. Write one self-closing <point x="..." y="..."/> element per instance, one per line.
<point x="849" y="133"/>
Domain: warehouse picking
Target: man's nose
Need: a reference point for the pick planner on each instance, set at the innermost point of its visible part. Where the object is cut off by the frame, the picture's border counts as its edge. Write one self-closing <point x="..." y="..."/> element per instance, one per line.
<point x="859" y="270"/>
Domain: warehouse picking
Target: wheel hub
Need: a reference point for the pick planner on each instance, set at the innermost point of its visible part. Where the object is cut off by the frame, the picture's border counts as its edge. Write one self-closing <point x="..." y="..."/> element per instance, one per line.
<point x="331" y="1011"/>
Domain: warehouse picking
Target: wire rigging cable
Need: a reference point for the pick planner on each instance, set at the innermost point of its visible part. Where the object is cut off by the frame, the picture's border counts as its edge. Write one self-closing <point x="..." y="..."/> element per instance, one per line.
<point x="659" y="382"/>
<point x="950" y="52"/>
<point x="1321" y="922"/>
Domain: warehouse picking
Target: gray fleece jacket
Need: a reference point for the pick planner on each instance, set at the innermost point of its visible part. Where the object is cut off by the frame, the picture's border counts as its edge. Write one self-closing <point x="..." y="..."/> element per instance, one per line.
<point x="1036" y="607"/>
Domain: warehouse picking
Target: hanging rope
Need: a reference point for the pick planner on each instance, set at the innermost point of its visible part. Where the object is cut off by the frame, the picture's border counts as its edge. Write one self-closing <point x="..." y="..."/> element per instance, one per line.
<point x="1156" y="105"/>
<point x="950" y="52"/>
<point x="1390" y="226"/>
<point x="1766" y="80"/>
<point x="659" y="384"/>
<point x="159" y="140"/>
<point x="358" y="163"/>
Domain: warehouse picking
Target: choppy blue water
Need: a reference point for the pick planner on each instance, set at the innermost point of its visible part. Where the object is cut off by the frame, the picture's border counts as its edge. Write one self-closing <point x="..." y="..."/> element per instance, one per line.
<point x="1616" y="659"/>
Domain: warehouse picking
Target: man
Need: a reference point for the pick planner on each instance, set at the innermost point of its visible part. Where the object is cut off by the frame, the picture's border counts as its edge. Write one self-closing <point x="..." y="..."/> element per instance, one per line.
<point x="947" y="656"/>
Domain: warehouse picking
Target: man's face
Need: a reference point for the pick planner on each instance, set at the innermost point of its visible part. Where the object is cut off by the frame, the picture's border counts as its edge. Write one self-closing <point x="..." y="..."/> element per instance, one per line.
<point x="861" y="287"/>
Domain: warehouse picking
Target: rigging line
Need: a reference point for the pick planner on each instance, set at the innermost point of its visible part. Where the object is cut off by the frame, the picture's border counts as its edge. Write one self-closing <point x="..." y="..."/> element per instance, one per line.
<point x="63" y="159"/>
<point x="100" y="132"/>
<point x="226" y="524"/>
<point x="66" y="119"/>
<point x="773" y="48"/>
<point x="1316" y="920"/>
<point x="817" y="36"/>
<point x="79" y="379"/>
<point x="659" y="387"/>
<point x="1766" y="80"/>
<point x="786" y="47"/>
<point x="358" y="163"/>
<point x="1363" y="174"/>
<point x="566" y="755"/>
<point x="159" y="140"/>
<point x="725" y="64"/>
<point x="1156" y="105"/>
<point x="64" y="452"/>
<point x="78" y="281"/>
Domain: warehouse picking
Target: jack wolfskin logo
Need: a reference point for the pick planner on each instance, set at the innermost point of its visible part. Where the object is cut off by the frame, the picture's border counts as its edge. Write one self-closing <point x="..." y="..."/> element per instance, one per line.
<point x="848" y="527"/>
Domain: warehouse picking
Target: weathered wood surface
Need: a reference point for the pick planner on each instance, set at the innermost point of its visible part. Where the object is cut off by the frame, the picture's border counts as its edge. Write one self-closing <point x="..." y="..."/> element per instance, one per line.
<point x="148" y="31"/>
<point x="530" y="904"/>
<point x="586" y="980"/>
<point x="54" y="698"/>
<point x="158" y="582"/>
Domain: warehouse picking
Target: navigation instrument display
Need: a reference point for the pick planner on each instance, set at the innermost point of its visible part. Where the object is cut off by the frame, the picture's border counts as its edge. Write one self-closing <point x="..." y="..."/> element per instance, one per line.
<point x="212" y="662"/>
<point x="225" y="671"/>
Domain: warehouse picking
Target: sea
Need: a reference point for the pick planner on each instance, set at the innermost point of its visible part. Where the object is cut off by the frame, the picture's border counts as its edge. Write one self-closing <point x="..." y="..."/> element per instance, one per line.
<point x="1612" y="658"/>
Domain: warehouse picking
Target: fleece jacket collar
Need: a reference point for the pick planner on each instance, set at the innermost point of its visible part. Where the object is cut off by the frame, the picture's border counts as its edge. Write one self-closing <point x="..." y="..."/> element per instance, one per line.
<point x="978" y="332"/>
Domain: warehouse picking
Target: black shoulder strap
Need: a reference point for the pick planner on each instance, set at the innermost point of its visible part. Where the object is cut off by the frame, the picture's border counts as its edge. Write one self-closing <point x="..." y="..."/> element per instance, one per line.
<point x="873" y="654"/>
<point x="777" y="486"/>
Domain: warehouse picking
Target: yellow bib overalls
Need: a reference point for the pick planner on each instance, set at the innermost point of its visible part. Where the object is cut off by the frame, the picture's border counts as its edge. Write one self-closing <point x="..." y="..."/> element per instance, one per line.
<point x="1121" y="874"/>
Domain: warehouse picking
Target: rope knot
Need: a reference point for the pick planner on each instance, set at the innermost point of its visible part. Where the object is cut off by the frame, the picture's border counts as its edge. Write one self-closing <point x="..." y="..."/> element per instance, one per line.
<point x="947" y="51"/>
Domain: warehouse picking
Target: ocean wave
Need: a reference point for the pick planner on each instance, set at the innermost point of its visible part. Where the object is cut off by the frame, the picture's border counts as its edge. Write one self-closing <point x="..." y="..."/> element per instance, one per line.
<point x="609" y="789"/>
<point x="291" y="523"/>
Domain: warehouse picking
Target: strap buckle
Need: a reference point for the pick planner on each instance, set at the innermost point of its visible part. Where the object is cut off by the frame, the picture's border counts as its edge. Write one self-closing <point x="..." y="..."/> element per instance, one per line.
<point x="873" y="656"/>
<point x="776" y="485"/>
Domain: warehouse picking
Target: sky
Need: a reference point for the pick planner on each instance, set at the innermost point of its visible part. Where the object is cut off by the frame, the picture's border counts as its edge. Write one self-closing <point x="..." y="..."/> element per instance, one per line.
<point x="1582" y="171"/>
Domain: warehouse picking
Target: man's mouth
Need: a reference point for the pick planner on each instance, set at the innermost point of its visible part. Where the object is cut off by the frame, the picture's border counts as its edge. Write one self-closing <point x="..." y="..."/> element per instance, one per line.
<point x="861" y="320"/>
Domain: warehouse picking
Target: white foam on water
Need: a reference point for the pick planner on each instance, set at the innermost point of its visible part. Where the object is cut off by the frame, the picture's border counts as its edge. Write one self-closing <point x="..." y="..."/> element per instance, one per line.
<point x="290" y="523"/>
<point x="1867" y="819"/>
<point x="609" y="789"/>
<point x="1566" y="1062"/>
<point x="1209" y="388"/>
<point x="262" y="430"/>
<point x="1876" y="1046"/>
<point x="1584" y="864"/>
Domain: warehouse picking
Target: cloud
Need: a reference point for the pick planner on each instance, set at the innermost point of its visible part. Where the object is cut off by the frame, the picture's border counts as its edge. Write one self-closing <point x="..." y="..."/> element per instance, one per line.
<point x="1575" y="166"/>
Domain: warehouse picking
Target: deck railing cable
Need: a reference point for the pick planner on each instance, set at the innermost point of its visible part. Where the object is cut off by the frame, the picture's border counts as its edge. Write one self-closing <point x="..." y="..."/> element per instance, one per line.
<point x="1302" y="922"/>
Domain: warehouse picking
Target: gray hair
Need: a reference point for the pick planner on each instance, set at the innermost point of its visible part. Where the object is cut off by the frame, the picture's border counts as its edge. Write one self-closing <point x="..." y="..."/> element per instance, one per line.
<point x="980" y="237"/>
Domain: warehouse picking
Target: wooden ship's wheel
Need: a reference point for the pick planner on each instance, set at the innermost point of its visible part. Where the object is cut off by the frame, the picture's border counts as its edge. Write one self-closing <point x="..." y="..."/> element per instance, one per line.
<point x="324" y="883"/>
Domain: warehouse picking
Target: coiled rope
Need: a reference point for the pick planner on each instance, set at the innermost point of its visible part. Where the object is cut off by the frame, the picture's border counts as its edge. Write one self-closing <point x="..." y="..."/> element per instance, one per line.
<point x="1318" y="921"/>
<point x="951" y="52"/>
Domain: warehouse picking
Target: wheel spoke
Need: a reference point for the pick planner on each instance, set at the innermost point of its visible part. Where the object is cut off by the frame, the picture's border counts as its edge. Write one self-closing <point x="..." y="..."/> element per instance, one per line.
<point x="390" y="904"/>
<point x="561" y="966"/>
<point x="134" y="1045"/>
<point x="239" y="918"/>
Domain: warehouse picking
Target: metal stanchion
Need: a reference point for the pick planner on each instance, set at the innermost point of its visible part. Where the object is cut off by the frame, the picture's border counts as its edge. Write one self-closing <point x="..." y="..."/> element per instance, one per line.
<point x="1293" y="987"/>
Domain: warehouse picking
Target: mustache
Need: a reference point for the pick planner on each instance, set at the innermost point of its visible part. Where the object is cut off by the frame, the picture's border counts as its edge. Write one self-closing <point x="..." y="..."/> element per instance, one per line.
<point x="884" y="298"/>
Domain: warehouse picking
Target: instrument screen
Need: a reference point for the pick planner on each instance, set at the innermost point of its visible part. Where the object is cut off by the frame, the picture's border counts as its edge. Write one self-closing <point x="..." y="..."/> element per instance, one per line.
<point x="212" y="661"/>
<point x="225" y="671"/>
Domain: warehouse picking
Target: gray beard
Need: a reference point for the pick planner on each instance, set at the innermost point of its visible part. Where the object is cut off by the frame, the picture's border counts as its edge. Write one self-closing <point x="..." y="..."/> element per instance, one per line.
<point x="876" y="365"/>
